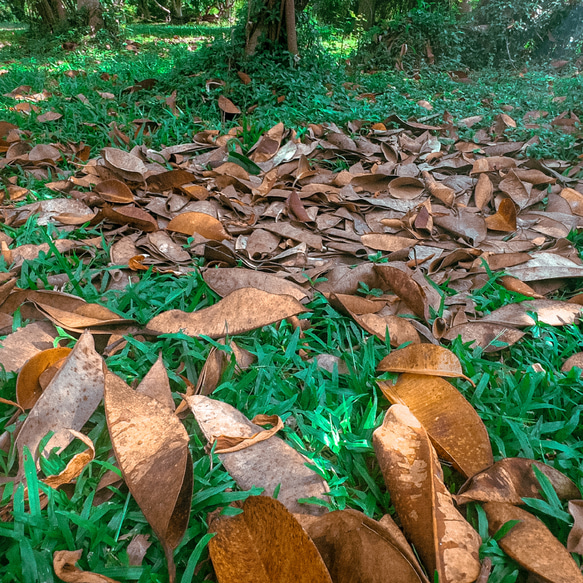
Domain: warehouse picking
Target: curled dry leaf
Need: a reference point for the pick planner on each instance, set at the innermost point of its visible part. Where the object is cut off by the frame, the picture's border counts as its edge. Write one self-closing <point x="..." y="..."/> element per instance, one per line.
<point x="455" y="429"/>
<point x="440" y="191"/>
<point x="267" y="464"/>
<point x="28" y="386"/>
<point x="406" y="188"/>
<point x="130" y="215"/>
<point x="551" y="312"/>
<point x="483" y="191"/>
<point x="156" y="384"/>
<point x="490" y="337"/>
<point x="233" y="443"/>
<point x="138" y="548"/>
<point x="531" y="544"/>
<point x="504" y="219"/>
<point x="115" y="191"/>
<point x="264" y="544"/>
<point x="575" y="200"/>
<point x="546" y="266"/>
<point x="515" y="285"/>
<point x="512" y="479"/>
<point x="446" y="543"/>
<point x="243" y="310"/>
<point x="406" y="288"/>
<point x="226" y="280"/>
<point x="358" y="548"/>
<point x="65" y="569"/>
<point x="68" y="401"/>
<point x="75" y="466"/>
<point x="124" y="164"/>
<point x="423" y="359"/>
<point x="575" y="540"/>
<point x="151" y="449"/>
<point x="190" y="223"/>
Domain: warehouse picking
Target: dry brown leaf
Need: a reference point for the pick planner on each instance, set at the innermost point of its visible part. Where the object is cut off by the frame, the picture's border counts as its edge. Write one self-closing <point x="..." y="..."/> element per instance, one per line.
<point x="28" y="387"/>
<point x="575" y="540"/>
<point x="575" y="200"/>
<point x="151" y="449"/>
<point x="386" y="242"/>
<point x="512" y="479"/>
<point x="243" y="310"/>
<point x="65" y="569"/>
<point x="483" y="191"/>
<point x="531" y="544"/>
<point x="75" y="466"/>
<point x="18" y="347"/>
<point x="515" y="285"/>
<point x="68" y="401"/>
<point x="190" y="223"/>
<point x="115" y="191"/>
<point x="455" y="429"/>
<point x="440" y="191"/>
<point x="233" y="443"/>
<point x="546" y="266"/>
<point x="446" y="543"/>
<point x="406" y="188"/>
<point x="402" y="283"/>
<point x="268" y="144"/>
<point x="245" y="79"/>
<point x="130" y="215"/>
<point x="137" y="549"/>
<point x="572" y="361"/>
<point x="552" y="312"/>
<point x="264" y="544"/>
<point x="124" y="164"/>
<point x="423" y="359"/>
<point x="157" y="385"/>
<point x="169" y="180"/>
<point x="228" y="106"/>
<point x="267" y="464"/>
<point x="49" y="116"/>
<point x="504" y="219"/>
<point x="490" y="337"/>
<point x="358" y="548"/>
<point x="400" y="329"/>
<point x="226" y="280"/>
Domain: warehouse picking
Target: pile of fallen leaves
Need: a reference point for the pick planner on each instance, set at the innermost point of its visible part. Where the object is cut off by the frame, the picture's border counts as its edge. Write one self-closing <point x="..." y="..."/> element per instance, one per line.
<point x="274" y="226"/>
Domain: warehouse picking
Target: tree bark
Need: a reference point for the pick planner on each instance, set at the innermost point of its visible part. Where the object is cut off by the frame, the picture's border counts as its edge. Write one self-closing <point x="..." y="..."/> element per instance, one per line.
<point x="290" y="26"/>
<point x="367" y="8"/>
<point x="94" y="11"/>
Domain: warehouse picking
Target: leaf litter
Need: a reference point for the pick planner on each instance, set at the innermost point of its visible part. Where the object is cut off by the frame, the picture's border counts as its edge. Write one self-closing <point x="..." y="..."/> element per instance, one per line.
<point x="270" y="229"/>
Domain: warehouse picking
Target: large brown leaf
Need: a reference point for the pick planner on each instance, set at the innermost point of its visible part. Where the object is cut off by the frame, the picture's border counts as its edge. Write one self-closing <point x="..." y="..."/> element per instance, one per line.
<point x="358" y="548"/>
<point x="68" y="401"/>
<point x="454" y="427"/>
<point x="531" y="544"/>
<point x="423" y="359"/>
<point x="267" y="464"/>
<point x="489" y="336"/>
<point x="190" y="223"/>
<point x="227" y="280"/>
<point x="512" y="479"/>
<point x="446" y="543"/>
<point x="124" y="164"/>
<point x="243" y="310"/>
<point x="151" y="449"/>
<point x="552" y="312"/>
<point x="264" y="544"/>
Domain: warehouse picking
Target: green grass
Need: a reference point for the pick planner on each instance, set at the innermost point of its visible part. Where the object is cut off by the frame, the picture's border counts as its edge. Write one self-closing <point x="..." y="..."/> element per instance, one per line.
<point x="329" y="417"/>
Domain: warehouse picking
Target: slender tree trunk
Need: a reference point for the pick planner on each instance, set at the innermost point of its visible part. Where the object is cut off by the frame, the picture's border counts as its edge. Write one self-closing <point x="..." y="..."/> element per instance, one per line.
<point x="290" y="26"/>
<point x="177" y="8"/>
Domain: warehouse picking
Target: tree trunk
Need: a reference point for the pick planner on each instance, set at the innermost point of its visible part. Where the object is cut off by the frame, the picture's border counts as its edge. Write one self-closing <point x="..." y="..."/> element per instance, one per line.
<point x="94" y="13"/>
<point x="264" y="21"/>
<point x="366" y="8"/>
<point x="177" y="8"/>
<point x="290" y="27"/>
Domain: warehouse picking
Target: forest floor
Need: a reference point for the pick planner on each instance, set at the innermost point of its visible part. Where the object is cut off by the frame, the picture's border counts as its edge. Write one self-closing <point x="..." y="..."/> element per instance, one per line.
<point x="324" y="216"/>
